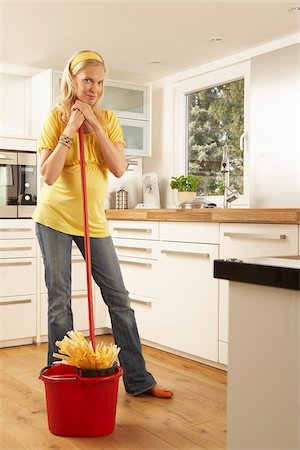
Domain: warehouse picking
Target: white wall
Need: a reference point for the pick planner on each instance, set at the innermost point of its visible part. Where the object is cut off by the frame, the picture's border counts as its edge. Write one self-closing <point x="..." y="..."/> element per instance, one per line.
<point x="273" y="137"/>
<point x="274" y="142"/>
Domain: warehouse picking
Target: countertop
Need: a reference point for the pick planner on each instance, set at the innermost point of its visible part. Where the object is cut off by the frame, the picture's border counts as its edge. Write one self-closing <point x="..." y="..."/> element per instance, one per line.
<point x="281" y="272"/>
<point x="236" y="215"/>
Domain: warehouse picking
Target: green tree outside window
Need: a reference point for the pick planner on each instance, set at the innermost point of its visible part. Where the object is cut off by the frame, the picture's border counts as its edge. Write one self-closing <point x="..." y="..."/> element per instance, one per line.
<point x="216" y="118"/>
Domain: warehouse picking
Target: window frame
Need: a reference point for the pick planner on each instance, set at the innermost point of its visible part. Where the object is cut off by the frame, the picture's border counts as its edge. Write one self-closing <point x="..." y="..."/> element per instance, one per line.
<point x="195" y="84"/>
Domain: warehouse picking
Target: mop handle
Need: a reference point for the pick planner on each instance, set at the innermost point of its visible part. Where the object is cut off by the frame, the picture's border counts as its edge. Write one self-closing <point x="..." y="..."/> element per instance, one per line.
<point x="87" y="247"/>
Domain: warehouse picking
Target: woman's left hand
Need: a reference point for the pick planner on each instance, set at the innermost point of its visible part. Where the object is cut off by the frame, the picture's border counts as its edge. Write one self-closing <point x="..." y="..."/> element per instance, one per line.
<point x="87" y="111"/>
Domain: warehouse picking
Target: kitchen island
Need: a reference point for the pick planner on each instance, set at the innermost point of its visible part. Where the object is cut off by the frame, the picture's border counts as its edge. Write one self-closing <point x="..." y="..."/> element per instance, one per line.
<point x="264" y="352"/>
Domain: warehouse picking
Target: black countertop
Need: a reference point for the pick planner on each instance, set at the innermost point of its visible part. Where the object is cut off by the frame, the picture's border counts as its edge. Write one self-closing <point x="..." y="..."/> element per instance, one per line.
<point x="281" y="272"/>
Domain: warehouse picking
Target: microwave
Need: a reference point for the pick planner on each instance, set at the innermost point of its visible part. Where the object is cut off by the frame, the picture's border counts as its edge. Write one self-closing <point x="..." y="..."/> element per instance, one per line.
<point x="18" y="184"/>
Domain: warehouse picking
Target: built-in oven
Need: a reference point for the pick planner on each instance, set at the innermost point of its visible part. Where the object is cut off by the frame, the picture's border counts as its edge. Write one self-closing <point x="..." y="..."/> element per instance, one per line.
<point x="18" y="184"/>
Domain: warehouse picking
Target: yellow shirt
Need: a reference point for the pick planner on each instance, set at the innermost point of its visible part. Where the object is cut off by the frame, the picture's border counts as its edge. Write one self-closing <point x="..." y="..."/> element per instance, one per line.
<point x="60" y="205"/>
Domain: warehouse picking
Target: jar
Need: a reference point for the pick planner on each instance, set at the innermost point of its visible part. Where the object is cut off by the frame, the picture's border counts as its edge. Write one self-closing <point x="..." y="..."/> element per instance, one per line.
<point x="121" y="199"/>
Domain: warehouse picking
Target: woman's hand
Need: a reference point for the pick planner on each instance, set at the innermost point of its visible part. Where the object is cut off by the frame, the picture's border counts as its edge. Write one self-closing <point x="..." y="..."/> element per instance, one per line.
<point x="75" y="121"/>
<point x="87" y="112"/>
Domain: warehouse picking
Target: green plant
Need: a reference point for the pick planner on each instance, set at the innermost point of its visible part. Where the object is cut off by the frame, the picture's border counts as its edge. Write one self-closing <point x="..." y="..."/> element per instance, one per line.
<point x="186" y="184"/>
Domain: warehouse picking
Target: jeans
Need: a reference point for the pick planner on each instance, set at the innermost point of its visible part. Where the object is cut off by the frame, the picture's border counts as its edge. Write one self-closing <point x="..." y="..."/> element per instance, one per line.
<point x="56" y="248"/>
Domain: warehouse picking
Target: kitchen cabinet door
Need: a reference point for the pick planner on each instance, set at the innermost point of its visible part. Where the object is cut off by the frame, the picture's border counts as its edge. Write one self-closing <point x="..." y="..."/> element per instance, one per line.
<point x="188" y="299"/>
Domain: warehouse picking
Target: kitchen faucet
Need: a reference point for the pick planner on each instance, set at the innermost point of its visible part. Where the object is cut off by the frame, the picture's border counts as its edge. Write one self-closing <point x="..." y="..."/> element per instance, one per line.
<point x="229" y="194"/>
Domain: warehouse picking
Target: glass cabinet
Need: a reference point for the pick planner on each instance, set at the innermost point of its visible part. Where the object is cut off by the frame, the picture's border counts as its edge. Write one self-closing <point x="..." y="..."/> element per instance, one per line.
<point x="136" y="136"/>
<point x="126" y="100"/>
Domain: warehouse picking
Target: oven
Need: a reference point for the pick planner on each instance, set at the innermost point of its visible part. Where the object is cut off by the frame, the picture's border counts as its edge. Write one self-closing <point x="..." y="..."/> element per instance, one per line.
<point x="18" y="184"/>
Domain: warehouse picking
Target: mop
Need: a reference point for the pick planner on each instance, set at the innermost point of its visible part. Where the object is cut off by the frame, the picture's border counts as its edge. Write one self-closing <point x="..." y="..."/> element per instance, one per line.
<point x="74" y="349"/>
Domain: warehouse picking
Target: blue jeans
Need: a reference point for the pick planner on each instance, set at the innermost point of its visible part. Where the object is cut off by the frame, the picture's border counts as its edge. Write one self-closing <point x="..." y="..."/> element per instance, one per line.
<point x="56" y="248"/>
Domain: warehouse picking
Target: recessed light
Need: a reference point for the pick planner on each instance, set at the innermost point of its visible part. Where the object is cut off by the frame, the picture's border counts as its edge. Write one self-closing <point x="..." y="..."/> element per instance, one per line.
<point x="216" y="39"/>
<point x="295" y="9"/>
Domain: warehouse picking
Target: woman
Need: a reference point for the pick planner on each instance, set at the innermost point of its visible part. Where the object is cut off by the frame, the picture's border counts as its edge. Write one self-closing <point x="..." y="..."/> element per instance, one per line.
<point x="59" y="214"/>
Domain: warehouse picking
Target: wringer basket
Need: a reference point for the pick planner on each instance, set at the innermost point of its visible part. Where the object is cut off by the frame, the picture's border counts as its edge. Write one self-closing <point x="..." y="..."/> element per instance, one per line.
<point x="82" y="402"/>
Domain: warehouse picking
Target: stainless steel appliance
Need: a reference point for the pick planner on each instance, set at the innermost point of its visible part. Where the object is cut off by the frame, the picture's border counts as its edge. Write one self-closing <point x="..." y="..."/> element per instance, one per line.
<point x="18" y="183"/>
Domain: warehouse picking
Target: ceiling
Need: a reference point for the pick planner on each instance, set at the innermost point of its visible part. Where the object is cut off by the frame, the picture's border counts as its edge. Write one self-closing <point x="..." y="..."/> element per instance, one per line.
<point x="130" y="35"/>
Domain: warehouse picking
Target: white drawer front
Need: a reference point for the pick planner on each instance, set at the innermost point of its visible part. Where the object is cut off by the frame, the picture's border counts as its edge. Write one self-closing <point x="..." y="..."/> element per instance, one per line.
<point x="140" y="276"/>
<point x="17" y="248"/>
<point x="137" y="248"/>
<point x="206" y="233"/>
<point x="79" y="308"/>
<point x="147" y="316"/>
<point x="17" y="276"/>
<point x="17" y="228"/>
<point x="17" y="317"/>
<point x="134" y="229"/>
<point x="250" y="240"/>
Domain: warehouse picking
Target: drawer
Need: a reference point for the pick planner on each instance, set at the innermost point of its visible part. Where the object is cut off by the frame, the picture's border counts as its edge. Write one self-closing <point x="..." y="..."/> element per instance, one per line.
<point x="17" y="248"/>
<point x="140" y="275"/>
<point x="79" y="308"/>
<point x="17" y="276"/>
<point x="17" y="317"/>
<point x="205" y="233"/>
<point x="146" y="311"/>
<point x="134" y="229"/>
<point x="78" y="275"/>
<point x="137" y="248"/>
<point x="250" y="240"/>
<point x="17" y="228"/>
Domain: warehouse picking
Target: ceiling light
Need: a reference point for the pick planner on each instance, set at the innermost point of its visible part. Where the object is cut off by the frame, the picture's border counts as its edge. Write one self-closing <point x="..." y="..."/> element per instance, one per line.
<point x="216" y="39"/>
<point x="295" y="9"/>
<point x="155" y="61"/>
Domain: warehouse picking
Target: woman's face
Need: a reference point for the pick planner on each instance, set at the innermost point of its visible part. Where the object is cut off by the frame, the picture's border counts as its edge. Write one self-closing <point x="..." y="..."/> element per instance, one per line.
<point x="89" y="84"/>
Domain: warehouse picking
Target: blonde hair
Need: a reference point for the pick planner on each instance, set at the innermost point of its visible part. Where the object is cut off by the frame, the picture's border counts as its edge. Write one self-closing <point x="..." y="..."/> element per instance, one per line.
<point x="68" y="87"/>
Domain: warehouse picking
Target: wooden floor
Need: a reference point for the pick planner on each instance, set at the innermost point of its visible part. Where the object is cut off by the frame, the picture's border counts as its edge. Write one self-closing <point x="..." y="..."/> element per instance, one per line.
<point x="194" y="419"/>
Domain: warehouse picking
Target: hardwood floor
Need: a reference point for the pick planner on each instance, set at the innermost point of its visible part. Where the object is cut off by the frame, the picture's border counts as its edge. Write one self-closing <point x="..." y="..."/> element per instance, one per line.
<point x="194" y="419"/>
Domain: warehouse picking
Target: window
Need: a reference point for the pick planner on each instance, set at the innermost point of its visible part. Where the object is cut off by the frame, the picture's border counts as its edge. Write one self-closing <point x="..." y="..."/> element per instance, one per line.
<point x="215" y="120"/>
<point x="212" y="113"/>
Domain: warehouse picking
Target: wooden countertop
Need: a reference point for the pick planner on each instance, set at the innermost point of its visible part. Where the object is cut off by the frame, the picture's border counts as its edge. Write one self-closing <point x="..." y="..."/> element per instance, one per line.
<point x="242" y="215"/>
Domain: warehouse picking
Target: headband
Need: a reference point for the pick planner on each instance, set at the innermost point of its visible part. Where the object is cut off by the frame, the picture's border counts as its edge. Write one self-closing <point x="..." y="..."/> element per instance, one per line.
<point x="84" y="56"/>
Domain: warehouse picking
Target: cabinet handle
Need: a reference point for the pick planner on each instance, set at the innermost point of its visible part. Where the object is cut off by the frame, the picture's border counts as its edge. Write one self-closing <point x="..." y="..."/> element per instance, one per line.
<point x="15" y="229"/>
<point x="178" y="252"/>
<point x="79" y="296"/>
<point x="139" y="230"/>
<point x="139" y="249"/>
<point x="140" y="302"/>
<point x="77" y="260"/>
<point x="139" y="263"/>
<point x="27" y="263"/>
<point x="15" y="302"/>
<point x="255" y="236"/>
<point x="14" y="249"/>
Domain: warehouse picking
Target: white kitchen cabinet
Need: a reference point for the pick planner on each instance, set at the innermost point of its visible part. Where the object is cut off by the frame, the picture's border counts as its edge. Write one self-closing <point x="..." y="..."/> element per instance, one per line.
<point x="188" y="300"/>
<point x="249" y="240"/>
<point x="127" y="100"/>
<point x="18" y="288"/>
<point x="132" y="105"/>
<point x="44" y="95"/>
<point x="132" y="229"/>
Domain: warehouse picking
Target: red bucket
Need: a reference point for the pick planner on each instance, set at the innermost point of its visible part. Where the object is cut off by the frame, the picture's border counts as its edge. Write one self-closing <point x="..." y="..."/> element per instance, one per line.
<point x="79" y="406"/>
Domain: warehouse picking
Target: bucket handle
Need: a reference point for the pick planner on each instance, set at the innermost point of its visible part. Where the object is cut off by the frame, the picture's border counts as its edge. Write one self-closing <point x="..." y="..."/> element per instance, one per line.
<point x="56" y="378"/>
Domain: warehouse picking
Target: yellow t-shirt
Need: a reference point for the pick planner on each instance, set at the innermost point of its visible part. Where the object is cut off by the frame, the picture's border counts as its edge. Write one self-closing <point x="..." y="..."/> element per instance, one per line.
<point x="60" y="205"/>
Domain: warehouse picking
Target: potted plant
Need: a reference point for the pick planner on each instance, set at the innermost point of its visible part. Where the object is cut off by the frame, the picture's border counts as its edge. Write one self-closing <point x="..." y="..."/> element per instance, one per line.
<point x="186" y="187"/>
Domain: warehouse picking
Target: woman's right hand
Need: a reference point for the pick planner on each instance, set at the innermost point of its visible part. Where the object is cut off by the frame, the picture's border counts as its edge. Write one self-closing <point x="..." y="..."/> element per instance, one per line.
<point x="75" y="121"/>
